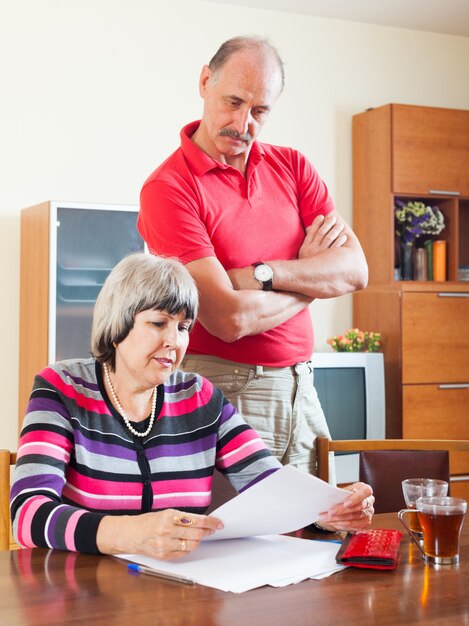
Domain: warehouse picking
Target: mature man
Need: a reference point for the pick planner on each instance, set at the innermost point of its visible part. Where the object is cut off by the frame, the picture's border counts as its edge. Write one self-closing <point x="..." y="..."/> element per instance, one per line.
<point x="258" y="231"/>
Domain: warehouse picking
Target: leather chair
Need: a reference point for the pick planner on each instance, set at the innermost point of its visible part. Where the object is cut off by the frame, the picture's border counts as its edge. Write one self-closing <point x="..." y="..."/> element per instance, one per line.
<point x="385" y="470"/>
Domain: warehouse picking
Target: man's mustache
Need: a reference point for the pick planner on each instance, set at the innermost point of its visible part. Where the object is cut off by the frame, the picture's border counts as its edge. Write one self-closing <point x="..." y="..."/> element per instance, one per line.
<point x="229" y="132"/>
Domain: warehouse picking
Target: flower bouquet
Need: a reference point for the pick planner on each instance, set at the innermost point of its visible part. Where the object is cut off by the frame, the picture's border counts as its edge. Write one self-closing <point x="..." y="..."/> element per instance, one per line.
<point x="414" y="219"/>
<point x="355" y="340"/>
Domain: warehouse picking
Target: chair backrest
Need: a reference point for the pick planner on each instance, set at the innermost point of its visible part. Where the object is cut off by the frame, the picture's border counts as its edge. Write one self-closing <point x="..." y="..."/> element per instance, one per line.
<point x="7" y="459"/>
<point x="385" y="470"/>
<point x="438" y="469"/>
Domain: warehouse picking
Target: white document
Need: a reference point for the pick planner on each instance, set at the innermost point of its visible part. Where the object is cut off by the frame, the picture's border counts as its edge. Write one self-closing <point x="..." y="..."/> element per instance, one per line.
<point x="283" y="502"/>
<point x="238" y="561"/>
<point x="239" y="565"/>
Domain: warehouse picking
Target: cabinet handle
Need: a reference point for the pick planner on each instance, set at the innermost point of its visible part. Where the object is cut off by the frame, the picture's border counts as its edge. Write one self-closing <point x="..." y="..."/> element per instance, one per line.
<point x="456" y="386"/>
<point x="452" y="294"/>
<point x="444" y="192"/>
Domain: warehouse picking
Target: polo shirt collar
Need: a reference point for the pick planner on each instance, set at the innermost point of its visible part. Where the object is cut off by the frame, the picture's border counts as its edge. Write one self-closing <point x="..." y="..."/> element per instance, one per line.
<point x="201" y="163"/>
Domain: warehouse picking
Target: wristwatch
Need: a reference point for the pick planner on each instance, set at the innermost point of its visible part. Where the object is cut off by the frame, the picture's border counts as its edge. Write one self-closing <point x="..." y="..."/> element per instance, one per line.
<point x="264" y="274"/>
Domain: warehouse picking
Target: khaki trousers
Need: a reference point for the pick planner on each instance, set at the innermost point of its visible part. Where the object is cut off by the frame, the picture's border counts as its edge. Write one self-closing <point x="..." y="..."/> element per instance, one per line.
<point x="280" y="403"/>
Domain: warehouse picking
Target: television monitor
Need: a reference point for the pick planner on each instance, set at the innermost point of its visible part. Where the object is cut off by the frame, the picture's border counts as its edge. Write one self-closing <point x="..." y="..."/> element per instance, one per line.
<point x="350" y="386"/>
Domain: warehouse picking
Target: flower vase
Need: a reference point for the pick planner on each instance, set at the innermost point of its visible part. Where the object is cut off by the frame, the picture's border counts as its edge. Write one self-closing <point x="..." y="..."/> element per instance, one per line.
<point x="406" y="261"/>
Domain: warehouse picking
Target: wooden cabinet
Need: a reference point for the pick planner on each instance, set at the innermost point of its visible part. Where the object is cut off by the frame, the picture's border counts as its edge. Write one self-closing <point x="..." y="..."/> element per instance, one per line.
<point x="67" y="250"/>
<point x="430" y="150"/>
<point x="435" y="337"/>
<point x="416" y="153"/>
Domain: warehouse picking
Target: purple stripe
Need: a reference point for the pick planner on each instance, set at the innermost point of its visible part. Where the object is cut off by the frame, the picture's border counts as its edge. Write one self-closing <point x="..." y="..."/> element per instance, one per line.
<point x="187" y="384"/>
<point x="47" y="404"/>
<point x="182" y="449"/>
<point x="259" y="478"/>
<point x="227" y="413"/>
<point x="104" y="448"/>
<point x="50" y="481"/>
<point x="53" y="519"/>
<point x="81" y="381"/>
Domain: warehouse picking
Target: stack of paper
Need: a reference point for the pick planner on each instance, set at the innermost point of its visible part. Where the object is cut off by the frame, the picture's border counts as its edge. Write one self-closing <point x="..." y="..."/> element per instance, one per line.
<point x="235" y="560"/>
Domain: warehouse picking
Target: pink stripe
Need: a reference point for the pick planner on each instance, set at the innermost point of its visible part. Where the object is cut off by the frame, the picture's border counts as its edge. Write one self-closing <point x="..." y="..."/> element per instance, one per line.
<point x="183" y="486"/>
<point x="90" y="404"/>
<point x="70" y="530"/>
<point x="38" y="436"/>
<point x="182" y="501"/>
<point x="110" y="487"/>
<point x="238" y="441"/>
<point x="102" y="487"/>
<point x="28" y="511"/>
<point x="198" y="398"/>
<point x="53" y="453"/>
<point x="240" y="455"/>
<point x="101" y="504"/>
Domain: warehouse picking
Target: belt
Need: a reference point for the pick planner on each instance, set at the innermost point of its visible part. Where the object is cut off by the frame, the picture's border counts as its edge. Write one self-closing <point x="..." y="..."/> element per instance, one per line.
<point x="297" y="368"/>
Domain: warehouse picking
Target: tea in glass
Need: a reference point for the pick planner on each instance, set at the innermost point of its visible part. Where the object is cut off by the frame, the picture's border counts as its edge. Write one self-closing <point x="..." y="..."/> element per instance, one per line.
<point x="441" y="520"/>
<point x="414" y="488"/>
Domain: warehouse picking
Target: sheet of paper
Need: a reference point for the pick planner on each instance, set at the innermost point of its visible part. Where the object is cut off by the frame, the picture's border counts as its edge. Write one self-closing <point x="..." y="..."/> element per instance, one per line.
<point x="285" y="501"/>
<point x="239" y="565"/>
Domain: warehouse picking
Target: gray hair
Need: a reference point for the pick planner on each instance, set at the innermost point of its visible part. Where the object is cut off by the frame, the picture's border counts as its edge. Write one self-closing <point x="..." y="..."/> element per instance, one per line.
<point x="139" y="282"/>
<point x="236" y="44"/>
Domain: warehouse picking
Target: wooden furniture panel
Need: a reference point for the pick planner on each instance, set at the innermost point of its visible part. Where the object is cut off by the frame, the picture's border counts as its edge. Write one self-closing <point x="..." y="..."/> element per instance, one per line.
<point x="67" y="250"/>
<point x="373" y="216"/>
<point x="438" y="412"/>
<point x="460" y="489"/>
<point x="7" y="459"/>
<point x="34" y="299"/>
<point x="435" y="341"/>
<point x="411" y="152"/>
<point x="374" y="309"/>
<point x="430" y="150"/>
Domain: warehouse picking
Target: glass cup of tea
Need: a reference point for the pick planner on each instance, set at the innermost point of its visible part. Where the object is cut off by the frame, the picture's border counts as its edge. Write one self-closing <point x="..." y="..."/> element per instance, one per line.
<point x="414" y="488"/>
<point x="441" y="519"/>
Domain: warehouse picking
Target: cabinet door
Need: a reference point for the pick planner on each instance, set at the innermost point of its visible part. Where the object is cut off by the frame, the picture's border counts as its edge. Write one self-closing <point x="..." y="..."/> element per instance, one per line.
<point x="430" y="149"/>
<point x="90" y="242"/>
<point x="435" y="338"/>
<point x="436" y="412"/>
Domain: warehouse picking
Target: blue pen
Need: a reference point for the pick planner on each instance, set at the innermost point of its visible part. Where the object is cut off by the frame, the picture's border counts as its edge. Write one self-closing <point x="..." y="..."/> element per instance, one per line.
<point x="141" y="569"/>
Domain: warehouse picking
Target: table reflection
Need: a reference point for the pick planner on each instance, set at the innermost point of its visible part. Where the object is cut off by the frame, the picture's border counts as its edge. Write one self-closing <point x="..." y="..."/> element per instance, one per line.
<point x="71" y="584"/>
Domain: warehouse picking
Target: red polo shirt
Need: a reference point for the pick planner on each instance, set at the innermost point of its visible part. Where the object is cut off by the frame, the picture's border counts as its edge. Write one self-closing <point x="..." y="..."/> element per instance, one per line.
<point x="193" y="206"/>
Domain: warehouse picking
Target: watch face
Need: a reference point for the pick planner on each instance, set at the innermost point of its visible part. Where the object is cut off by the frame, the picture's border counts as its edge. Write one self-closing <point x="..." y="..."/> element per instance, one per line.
<point x="263" y="273"/>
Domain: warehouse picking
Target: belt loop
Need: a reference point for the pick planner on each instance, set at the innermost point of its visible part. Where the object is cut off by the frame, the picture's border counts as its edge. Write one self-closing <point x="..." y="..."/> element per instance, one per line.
<point x="259" y="371"/>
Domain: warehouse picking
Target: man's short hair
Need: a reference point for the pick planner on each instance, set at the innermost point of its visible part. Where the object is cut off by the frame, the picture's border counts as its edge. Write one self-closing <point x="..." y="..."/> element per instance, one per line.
<point x="139" y="282"/>
<point x="236" y="44"/>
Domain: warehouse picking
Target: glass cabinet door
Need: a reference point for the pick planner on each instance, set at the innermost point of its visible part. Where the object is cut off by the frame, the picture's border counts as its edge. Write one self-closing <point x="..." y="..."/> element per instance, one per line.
<point x="89" y="243"/>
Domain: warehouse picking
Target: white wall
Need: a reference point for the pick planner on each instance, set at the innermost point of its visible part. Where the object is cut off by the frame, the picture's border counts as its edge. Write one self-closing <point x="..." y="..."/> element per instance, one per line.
<point x="94" y="92"/>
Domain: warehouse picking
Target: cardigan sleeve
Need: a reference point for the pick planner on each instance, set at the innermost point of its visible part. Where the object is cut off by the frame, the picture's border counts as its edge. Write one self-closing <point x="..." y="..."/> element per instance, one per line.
<point x="39" y="517"/>
<point x="241" y="453"/>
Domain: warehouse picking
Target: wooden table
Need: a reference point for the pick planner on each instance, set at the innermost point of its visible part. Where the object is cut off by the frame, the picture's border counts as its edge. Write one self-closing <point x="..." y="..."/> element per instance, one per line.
<point x="44" y="588"/>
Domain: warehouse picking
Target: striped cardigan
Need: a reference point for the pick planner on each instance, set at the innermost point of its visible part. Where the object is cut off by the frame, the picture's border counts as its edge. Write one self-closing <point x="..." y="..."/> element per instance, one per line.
<point x="77" y="461"/>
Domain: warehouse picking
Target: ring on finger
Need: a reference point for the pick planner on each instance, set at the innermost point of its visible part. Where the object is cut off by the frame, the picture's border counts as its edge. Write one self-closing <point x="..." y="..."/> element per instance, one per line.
<point x="184" y="520"/>
<point x="182" y="545"/>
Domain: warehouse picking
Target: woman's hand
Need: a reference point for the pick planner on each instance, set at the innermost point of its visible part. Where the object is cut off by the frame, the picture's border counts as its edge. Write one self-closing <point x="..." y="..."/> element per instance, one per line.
<point x="355" y="513"/>
<point x="162" y="535"/>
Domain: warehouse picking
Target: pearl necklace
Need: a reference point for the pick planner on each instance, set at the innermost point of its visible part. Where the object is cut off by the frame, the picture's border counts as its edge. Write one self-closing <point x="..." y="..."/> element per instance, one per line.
<point x="121" y="410"/>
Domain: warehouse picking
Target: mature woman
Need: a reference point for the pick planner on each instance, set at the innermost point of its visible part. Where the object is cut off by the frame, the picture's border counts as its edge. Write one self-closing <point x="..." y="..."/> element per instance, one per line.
<point x="117" y="452"/>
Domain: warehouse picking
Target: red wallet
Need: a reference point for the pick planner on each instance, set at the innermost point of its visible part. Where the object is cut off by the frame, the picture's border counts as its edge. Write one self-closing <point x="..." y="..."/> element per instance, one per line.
<point x="376" y="549"/>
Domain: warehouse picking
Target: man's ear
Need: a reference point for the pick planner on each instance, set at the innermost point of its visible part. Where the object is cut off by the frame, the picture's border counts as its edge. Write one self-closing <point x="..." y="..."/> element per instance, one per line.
<point x="205" y="75"/>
